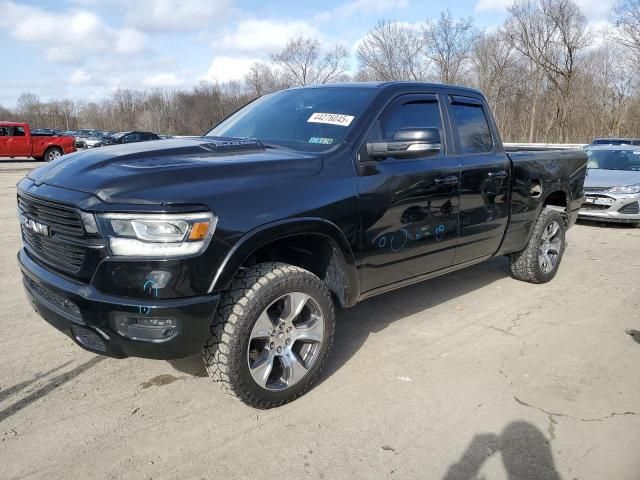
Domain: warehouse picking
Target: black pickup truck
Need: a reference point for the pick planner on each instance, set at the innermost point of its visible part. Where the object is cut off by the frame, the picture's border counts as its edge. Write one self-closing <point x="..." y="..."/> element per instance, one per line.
<point x="240" y="242"/>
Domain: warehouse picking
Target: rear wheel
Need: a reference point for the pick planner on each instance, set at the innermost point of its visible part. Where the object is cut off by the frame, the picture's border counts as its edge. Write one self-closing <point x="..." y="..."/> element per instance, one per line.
<point x="539" y="261"/>
<point x="271" y="335"/>
<point x="52" y="153"/>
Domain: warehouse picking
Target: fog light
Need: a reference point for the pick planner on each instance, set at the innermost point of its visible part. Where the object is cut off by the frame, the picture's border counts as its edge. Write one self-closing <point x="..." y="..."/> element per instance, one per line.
<point x="139" y="327"/>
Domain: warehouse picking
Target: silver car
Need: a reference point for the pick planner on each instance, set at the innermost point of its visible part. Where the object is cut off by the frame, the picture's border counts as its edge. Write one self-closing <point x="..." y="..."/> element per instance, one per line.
<point x="612" y="186"/>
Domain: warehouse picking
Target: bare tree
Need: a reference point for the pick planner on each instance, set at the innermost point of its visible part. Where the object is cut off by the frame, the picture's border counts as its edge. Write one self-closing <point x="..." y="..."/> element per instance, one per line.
<point x="29" y="107"/>
<point x="449" y="42"/>
<point x="304" y="63"/>
<point x="626" y="18"/>
<point x="551" y="34"/>
<point x="496" y="70"/>
<point x="263" y="78"/>
<point x="393" y="51"/>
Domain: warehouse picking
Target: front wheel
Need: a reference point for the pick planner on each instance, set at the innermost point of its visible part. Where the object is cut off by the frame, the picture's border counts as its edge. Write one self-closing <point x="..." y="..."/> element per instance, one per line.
<point x="271" y="335"/>
<point x="539" y="261"/>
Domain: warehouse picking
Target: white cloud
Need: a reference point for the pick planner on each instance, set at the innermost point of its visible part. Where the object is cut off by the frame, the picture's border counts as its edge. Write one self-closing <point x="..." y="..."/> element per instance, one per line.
<point x="366" y="7"/>
<point x="264" y="36"/>
<point x="67" y="37"/>
<point x="492" y="5"/>
<point x="225" y="68"/>
<point x="163" y="80"/>
<point x="79" y="77"/>
<point x="175" y="15"/>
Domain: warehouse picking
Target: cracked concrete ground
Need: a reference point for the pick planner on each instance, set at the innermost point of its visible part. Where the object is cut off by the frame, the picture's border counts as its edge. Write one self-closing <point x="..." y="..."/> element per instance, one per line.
<point x="471" y="375"/>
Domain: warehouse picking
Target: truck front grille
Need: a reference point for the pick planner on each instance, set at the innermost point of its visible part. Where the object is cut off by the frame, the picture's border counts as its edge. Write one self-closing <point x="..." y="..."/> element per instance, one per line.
<point x="58" y="217"/>
<point x="63" y="245"/>
<point x="58" y="253"/>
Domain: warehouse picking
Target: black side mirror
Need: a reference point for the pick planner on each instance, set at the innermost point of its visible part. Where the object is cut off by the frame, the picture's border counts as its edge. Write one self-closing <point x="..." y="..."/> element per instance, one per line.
<point x="407" y="142"/>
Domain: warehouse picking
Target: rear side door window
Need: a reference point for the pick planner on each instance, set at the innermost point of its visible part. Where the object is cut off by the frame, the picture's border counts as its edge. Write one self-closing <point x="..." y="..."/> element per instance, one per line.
<point x="18" y="132"/>
<point x="471" y="127"/>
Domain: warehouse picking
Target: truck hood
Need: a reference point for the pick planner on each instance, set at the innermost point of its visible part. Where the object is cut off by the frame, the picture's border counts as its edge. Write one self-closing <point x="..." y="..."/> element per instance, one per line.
<point x="177" y="170"/>
<point x="597" y="177"/>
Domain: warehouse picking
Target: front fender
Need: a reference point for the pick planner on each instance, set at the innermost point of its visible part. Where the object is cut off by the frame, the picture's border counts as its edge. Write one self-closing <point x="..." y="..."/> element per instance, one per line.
<point x="265" y="234"/>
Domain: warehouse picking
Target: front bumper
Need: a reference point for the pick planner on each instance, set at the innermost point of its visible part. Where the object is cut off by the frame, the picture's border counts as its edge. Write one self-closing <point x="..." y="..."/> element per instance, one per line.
<point x="620" y="208"/>
<point x="90" y="317"/>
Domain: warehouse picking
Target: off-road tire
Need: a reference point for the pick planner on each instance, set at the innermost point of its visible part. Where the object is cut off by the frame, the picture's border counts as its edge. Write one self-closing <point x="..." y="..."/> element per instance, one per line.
<point x="251" y="292"/>
<point x="525" y="265"/>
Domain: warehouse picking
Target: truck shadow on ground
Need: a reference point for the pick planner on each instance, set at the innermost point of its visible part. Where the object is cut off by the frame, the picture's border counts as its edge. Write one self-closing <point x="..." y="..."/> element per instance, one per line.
<point x="525" y="453"/>
<point x="354" y="325"/>
<point x="48" y="387"/>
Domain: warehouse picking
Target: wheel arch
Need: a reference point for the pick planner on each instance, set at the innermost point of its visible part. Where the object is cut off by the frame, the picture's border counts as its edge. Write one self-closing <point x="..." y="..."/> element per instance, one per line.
<point x="315" y="244"/>
<point x="557" y="198"/>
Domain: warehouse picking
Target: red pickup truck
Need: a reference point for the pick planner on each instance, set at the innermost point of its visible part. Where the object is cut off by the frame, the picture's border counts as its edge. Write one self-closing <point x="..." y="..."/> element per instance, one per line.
<point x="16" y="141"/>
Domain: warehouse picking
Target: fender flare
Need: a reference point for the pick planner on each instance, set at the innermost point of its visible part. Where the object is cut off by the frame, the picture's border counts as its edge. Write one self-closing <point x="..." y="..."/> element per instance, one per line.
<point x="265" y="234"/>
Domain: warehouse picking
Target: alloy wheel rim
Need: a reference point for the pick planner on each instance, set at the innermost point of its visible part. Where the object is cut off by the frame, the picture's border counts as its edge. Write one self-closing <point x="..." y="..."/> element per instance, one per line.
<point x="285" y="341"/>
<point x="54" y="154"/>
<point x="550" y="247"/>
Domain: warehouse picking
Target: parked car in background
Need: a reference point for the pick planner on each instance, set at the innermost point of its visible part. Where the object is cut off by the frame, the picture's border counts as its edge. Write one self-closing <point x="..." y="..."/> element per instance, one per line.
<point x="16" y="140"/>
<point x="612" y="187"/>
<point x="615" y="141"/>
<point x="133" y="137"/>
<point x="85" y="133"/>
<point x="98" y="140"/>
<point x="45" y="131"/>
<point x="69" y="133"/>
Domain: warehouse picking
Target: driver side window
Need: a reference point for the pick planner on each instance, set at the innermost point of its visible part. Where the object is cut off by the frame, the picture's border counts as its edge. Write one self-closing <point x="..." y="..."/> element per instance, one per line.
<point x="409" y="115"/>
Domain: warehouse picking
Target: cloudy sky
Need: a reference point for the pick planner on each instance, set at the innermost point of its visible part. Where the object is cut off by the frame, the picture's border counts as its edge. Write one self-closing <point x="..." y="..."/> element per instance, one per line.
<point x="82" y="49"/>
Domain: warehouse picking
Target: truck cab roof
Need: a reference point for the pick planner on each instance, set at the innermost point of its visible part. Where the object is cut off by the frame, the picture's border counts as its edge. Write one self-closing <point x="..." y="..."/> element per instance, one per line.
<point x="399" y="84"/>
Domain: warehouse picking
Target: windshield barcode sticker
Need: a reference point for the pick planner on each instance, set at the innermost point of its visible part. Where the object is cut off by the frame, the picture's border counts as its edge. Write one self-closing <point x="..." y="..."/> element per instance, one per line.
<point x="321" y="140"/>
<point x="331" y="119"/>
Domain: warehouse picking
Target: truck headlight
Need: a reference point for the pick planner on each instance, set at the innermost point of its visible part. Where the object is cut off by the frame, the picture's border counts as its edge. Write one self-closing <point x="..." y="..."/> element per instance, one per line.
<point x="635" y="188"/>
<point x="157" y="235"/>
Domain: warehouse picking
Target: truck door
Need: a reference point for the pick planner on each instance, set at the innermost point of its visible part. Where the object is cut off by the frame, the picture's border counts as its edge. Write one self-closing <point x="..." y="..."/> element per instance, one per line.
<point x="409" y="206"/>
<point x="485" y="179"/>
<point x="19" y="143"/>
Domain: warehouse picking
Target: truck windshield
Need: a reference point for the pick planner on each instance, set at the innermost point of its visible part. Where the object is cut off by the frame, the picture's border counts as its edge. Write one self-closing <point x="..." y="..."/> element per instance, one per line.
<point x="614" y="159"/>
<point x="306" y="119"/>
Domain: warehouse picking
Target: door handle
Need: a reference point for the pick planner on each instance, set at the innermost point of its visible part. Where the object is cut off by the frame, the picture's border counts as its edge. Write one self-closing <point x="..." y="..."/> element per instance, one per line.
<point x="499" y="174"/>
<point x="451" y="180"/>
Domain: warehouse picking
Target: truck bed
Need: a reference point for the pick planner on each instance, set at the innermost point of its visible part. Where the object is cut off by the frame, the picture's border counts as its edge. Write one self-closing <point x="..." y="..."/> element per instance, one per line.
<point x="535" y="172"/>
